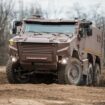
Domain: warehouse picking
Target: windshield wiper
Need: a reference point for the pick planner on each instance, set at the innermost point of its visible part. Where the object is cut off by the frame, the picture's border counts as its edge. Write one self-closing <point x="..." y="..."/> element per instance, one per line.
<point x="31" y="31"/>
<point x="35" y="33"/>
<point x="67" y="34"/>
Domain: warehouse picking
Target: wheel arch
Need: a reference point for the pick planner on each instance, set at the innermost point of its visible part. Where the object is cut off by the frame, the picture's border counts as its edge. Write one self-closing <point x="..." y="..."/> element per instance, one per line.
<point x="98" y="61"/>
<point x="75" y="54"/>
<point x="90" y="58"/>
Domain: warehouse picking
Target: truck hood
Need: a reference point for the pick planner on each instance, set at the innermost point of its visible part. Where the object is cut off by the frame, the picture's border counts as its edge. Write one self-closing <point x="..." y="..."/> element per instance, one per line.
<point x="44" y="38"/>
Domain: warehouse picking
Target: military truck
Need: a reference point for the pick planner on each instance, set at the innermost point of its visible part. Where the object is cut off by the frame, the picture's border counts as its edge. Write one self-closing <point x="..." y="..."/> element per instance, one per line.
<point x="72" y="50"/>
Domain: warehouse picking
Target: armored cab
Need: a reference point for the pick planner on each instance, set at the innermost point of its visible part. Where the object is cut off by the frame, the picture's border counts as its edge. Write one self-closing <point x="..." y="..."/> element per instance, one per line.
<point x="70" y="49"/>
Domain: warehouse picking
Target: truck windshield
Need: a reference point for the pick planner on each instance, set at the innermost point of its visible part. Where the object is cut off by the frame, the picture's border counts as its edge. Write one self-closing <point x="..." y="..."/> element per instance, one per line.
<point x="50" y="28"/>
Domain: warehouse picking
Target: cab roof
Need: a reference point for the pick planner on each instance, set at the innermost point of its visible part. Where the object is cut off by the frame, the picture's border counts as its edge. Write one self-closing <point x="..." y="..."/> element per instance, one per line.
<point x="41" y="20"/>
<point x="35" y="19"/>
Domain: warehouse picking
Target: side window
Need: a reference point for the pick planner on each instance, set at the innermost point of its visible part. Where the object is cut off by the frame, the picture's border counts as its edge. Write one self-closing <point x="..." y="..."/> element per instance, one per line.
<point x="85" y="30"/>
<point x="89" y="31"/>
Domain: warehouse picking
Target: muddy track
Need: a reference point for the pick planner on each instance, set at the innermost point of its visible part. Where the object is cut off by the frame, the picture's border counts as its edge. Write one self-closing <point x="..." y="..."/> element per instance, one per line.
<point x="49" y="94"/>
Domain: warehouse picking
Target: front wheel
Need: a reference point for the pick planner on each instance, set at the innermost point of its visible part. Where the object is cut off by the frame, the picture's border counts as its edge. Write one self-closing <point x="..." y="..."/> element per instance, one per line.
<point x="15" y="74"/>
<point x="71" y="73"/>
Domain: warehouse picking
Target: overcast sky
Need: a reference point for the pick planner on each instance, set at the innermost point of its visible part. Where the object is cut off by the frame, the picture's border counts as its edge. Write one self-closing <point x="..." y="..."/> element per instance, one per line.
<point x="67" y="2"/>
<point x="65" y="5"/>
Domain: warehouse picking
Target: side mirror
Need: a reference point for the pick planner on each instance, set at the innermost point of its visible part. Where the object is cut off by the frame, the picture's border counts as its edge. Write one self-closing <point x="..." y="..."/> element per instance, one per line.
<point x="14" y="30"/>
<point x="15" y="25"/>
<point x="81" y="33"/>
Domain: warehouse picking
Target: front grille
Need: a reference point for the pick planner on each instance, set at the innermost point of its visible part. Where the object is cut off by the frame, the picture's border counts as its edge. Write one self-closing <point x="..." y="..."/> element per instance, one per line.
<point x="36" y="52"/>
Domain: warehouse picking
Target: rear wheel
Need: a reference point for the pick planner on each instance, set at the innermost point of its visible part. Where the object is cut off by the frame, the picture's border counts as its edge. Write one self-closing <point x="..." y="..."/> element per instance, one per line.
<point x="97" y="75"/>
<point x="71" y="73"/>
<point x="15" y="74"/>
<point x="89" y="79"/>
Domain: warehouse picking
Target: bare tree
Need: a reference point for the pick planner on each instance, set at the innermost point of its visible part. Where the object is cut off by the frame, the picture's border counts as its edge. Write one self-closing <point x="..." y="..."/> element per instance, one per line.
<point x="79" y="11"/>
<point x="5" y="12"/>
<point x="24" y="11"/>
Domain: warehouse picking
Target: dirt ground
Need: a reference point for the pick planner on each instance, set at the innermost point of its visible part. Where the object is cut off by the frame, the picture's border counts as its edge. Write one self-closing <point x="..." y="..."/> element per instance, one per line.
<point x="49" y="94"/>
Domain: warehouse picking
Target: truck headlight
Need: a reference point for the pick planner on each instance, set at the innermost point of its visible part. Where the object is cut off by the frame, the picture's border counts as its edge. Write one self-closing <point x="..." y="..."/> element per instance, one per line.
<point x="63" y="61"/>
<point x="14" y="59"/>
<point x="11" y="42"/>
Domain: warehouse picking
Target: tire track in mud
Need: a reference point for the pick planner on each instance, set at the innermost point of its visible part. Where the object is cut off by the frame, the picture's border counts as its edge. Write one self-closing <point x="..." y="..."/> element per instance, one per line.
<point x="49" y="94"/>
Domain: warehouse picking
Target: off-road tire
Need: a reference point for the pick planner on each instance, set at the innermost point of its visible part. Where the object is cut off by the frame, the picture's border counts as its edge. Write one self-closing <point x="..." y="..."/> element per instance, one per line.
<point x="61" y="74"/>
<point x="10" y="73"/>
<point x="89" y="79"/>
<point x="97" y="75"/>
<point x="65" y="71"/>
